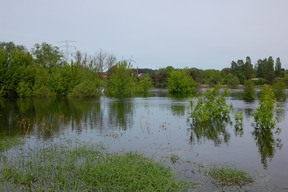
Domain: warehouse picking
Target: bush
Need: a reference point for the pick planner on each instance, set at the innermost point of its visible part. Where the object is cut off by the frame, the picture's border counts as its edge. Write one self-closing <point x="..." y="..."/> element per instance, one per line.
<point x="86" y="89"/>
<point x="43" y="91"/>
<point x="279" y="89"/>
<point x="24" y="89"/>
<point x="144" y="85"/>
<point x="121" y="83"/>
<point x="180" y="82"/>
<point x="211" y="107"/>
<point x="264" y="115"/>
<point x="249" y="92"/>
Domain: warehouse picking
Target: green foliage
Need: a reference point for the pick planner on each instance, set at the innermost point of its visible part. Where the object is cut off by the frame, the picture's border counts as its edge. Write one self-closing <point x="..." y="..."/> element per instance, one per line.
<point x="238" y="119"/>
<point x="121" y="83"/>
<point x="144" y="85"/>
<point x="264" y="115"/>
<point x="279" y="89"/>
<point x="13" y="61"/>
<point x="180" y="82"/>
<point x="211" y="77"/>
<point x="43" y="91"/>
<point x="238" y="116"/>
<point x="233" y="82"/>
<point x="24" y="89"/>
<point x="86" y="168"/>
<point x="47" y="55"/>
<point x="260" y="81"/>
<point x="229" y="177"/>
<point x="159" y="78"/>
<point x="211" y="107"/>
<point x="86" y="89"/>
<point x="8" y="142"/>
<point x="249" y="92"/>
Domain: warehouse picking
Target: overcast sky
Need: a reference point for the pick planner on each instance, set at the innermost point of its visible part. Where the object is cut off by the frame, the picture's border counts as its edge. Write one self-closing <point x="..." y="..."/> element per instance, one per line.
<point x="155" y="33"/>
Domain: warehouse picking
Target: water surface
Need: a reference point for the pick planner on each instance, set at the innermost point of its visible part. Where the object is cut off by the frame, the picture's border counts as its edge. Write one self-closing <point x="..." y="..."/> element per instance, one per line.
<point x="156" y="127"/>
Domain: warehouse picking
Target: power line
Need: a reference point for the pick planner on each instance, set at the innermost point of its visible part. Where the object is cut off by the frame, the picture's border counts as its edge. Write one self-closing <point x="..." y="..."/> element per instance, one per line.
<point x="67" y="46"/>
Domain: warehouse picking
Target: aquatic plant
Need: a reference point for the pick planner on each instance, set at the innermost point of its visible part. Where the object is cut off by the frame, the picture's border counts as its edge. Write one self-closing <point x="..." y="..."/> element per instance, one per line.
<point x="9" y="142"/>
<point x="229" y="177"/>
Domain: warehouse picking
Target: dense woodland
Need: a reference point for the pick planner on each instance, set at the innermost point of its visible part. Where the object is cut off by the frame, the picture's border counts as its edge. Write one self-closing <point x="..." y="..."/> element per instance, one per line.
<point x="44" y="71"/>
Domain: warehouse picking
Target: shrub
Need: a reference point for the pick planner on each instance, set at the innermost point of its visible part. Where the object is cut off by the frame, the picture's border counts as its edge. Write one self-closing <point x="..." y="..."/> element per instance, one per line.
<point x="121" y="83"/>
<point x="180" y="82"/>
<point x="211" y="107"/>
<point x="279" y="89"/>
<point x="24" y="89"/>
<point x="264" y="115"/>
<point x="43" y="91"/>
<point x="249" y="92"/>
<point x="86" y="89"/>
<point x="144" y="85"/>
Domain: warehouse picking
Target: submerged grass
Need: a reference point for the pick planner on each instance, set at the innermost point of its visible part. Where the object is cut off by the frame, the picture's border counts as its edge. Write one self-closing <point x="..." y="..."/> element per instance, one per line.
<point x="9" y="142"/>
<point x="229" y="177"/>
<point x="87" y="168"/>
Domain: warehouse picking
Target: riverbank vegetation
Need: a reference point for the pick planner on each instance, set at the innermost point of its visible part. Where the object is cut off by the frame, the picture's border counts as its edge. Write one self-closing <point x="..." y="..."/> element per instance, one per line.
<point x="44" y="71"/>
<point x="85" y="168"/>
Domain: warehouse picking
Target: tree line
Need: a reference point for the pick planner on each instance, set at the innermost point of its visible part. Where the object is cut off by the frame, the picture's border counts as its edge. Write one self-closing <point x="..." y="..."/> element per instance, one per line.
<point x="44" y="71"/>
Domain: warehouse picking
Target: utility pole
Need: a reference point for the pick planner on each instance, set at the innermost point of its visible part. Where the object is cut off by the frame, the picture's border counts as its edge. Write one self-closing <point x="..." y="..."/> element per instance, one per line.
<point x="67" y="46"/>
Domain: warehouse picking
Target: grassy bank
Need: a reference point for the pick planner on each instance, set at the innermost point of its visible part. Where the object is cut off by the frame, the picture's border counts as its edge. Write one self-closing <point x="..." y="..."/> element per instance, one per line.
<point x="86" y="168"/>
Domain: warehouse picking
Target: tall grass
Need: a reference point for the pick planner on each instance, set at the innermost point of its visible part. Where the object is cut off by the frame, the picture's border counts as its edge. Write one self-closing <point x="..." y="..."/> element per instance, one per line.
<point x="85" y="168"/>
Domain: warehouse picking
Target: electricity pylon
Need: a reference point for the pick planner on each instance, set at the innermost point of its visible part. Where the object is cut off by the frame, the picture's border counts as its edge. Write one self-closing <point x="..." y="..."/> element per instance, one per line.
<point x="67" y="46"/>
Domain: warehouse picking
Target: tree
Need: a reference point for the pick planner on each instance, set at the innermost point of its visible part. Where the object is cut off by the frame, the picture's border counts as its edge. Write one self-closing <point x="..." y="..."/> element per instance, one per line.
<point x="121" y="83"/>
<point x="14" y="60"/>
<point x="180" y="82"/>
<point x="47" y="55"/>
<point x="233" y="81"/>
<point x="248" y="69"/>
<point x="279" y="72"/>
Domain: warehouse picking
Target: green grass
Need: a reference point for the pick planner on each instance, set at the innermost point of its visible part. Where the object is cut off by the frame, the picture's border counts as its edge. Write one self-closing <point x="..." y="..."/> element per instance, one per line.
<point x="87" y="168"/>
<point x="225" y="176"/>
<point x="9" y="142"/>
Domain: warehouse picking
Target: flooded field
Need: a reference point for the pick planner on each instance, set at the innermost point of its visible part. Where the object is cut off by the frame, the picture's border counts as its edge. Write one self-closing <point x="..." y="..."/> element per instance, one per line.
<point x="157" y="127"/>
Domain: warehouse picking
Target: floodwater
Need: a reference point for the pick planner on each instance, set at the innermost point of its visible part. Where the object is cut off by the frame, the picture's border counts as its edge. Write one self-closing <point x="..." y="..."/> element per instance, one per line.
<point x="156" y="127"/>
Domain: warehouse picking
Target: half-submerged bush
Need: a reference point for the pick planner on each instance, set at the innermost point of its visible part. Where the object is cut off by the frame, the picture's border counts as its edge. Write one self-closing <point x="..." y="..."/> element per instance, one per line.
<point x="180" y="82"/>
<point x="249" y="92"/>
<point x="43" y="91"/>
<point x="279" y="89"/>
<point x="86" y="89"/>
<point x="121" y="82"/>
<point x="211" y="107"/>
<point x="144" y="85"/>
<point x="264" y="115"/>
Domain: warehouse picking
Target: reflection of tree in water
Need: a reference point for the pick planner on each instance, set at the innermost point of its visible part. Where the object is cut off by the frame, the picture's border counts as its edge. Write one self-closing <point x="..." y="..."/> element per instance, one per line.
<point x="178" y="110"/>
<point x="120" y="114"/>
<point x="210" y="130"/>
<point x="46" y="117"/>
<point x="267" y="144"/>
